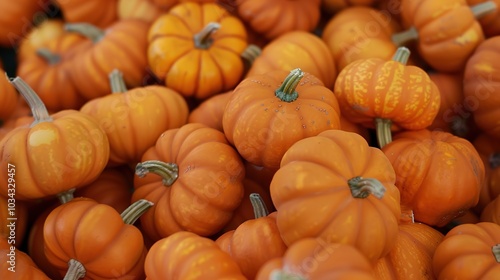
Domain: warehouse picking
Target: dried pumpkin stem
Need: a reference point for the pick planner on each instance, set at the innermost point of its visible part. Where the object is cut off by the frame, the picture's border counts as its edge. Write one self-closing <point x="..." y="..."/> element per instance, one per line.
<point x="48" y="56"/>
<point x="135" y="211"/>
<point x="203" y="39"/>
<point x="66" y="196"/>
<point x="482" y="9"/>
<point x="168" y="171"/>
<point x="402" y="55"/>
<point x="363" y="187"/>
<point x="287" y="91"/>
<point x="281" y="275"/>
<point x="403" y="37"/>
<point x="76" y="270"/>
<point x="94" y="33"/>
<point x="496" y="252"/>
<point x="258" y="205"/>
<point x="38" y="109"/>
<point x="117" y="82"/>
<point x="383" y="131"/>
<point x="494" y="160"/>
<point x="250" y="54"/>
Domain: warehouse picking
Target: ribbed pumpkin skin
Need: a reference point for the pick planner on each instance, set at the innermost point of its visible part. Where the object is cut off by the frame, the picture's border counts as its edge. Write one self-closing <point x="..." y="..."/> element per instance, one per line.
<point x="97" y="12"/>
<point x="490" y="23"/>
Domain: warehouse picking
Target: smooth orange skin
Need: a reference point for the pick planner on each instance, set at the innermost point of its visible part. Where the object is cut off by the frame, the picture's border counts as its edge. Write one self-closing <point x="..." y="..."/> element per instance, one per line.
<point x="210" y="111"/>
<point x="486" y="146"/>
<point x="134" y="120"/>
<point x="143" y="10"/>
<point x="8" y="98"/>
<point x="465" y="253"/>
<point x="311" y="194"/>
<point x="96" y="236"/>
<point x="297" y="49"/>
<point x="411" y="257"/>
<point x="190" y="70"/>
<point x="491" y="212"/>
<point x="439" y="175"/>
<point x="448" y="32"/>
<point x="375" y="88"/>
<point x="262" y="127"/>
<point x="25" y="268"/>
<point x="208" y="189"/>
<point x="99" y="13"/>
<point x="490" y="23"/>
<point x="185" y="255"/>
<point x="53" y="157"/>
<point x="311" y="258"/>
<point x="482" y="86"/>
<point x="17" y="21"/>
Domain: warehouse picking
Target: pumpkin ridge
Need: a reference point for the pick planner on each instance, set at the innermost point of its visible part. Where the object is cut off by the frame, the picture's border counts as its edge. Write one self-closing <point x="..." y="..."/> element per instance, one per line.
<point x="216" y="63"/>
<point x="169" y="35"/>
<point x="339" y="210"/>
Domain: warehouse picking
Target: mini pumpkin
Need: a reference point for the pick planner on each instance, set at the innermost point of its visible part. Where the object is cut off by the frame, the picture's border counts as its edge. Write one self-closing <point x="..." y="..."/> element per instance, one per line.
<point x="96" y="12"/>
<point x="490" y="23"/>
<point x="210" y="111"/>
<point x="17" y="265"/>
<point x="18" y="20"/>
<point x="8" y="98"/>
<point x="488" y="148"/>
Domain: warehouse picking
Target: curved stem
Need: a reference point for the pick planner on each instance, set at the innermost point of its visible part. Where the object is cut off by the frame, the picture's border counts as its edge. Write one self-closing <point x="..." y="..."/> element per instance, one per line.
<point x="168" y="171"/>
<point x="250" y="54"/>
<point x="281" y="275"/>
<point x="401" y="55"/>
<point x="48" y="56"/>
<point x="38" y="109"/>
<point x="482" y="9"/>
<point x="496" y="252"/>
<point x="117" y="82"/>
<point x="135" y="211"/>
<point x="94" y="33"/>
<point x="403" y="37"/>
<point x="66" y="196"/>
<point x="383" y="131"/>
<point x="494" y="160"/>
<point x="287" y="91"/>
<point x="258" y="205"/>
<point x="363" y="187"/>
<point x="203" y="39"/>
<point x="76" y="270"/>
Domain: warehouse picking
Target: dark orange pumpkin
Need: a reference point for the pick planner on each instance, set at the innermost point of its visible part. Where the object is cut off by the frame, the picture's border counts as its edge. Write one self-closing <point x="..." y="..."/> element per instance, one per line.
<point x="17" y="265"/>
<point x="210" y="111"/>
<point x="8" y="98"/>
<point x="96" y="12"/>
<point x="491" y="212"/>
<point x="489" y="150"/>
<point x="490" y="23"/>
<point x="14" y="217"/>
<point x="335" y="6"/>
<point x="18" y="19"/>
<point x="147" y="10"/>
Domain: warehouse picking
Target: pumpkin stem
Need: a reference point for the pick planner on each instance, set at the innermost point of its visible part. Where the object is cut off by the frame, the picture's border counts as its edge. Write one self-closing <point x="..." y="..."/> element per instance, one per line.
<point x="66" y="196"/>
<point x="496" y="252"/>
<point x="383" y="131"/>
<point x="117" y="82"/>
<point x="281" y="275"/>
<point x="92" y="32"/>
<point x="287" y="91"/>
<point x="76" y="270"/>
<point x="482" y="9"/>
<point x="135" y="211"/>
<point x="401" y="55"/>
<point x="250" y="54"/>
<point x="363" y="187"/>
<point x="38" y="109"/>
<point x="494" y="160"/>
<point x="258" y="205"/>
<point x="48" y="56"/>
<point x="403" y="37"/>
<point x="168" y="171"/>
<point x="203" y="39"/>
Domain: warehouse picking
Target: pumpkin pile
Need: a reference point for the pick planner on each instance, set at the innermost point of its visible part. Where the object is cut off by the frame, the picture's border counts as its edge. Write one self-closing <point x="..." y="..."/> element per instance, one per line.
<point x="210" y="139"/>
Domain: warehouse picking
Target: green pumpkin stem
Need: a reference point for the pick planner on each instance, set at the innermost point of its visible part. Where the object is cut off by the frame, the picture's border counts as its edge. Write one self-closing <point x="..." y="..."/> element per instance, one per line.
<point x="363" y="187"/>
<point x="401" y="55"/>
<point x="66" y="196"/>
<point x="117" y="82"/>
<point x="135" y="211"/>
<point x="494" y="160"/>
<point x="203" y="39"/>
<point x="38" y="109"/>
<point x="496" y="252"/>
<point x="92" y="32"/>
<point x="168" y="171"/>
<point x="383" y="131"/>
<point x="281" y="275"/>
<point x="258" y="205"/>
<point x="404" y="37"/>
<point x="287" y="91"/>
<point x="250" y="54"/>
<point x="76" y="270"/>
<point x="482" y="9"/>
<point x="48" y="56"/>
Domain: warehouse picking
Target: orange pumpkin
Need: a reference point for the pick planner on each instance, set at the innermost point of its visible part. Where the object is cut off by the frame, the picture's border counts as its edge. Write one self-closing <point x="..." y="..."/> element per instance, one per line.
<point x="196" y="182"/>
<point x="147" y="10"/>
<point x="58" y="152"/>
<point x="489" y="150"/>
<point x="350" y="195"/>
<point x="39" y="36"/>
<point x="14" y="217"/>
<point x="491" y="212"/>
<point x="267" y="113"/>
<point x="17" y="20"/>
<point x="195" y="48"/>
<point x="469" y="251"/>
<point x="8" y="98"/>
<point x="490" y="23"/>
<point x="17" y="265"/>
<point x="335" y="6"/>
<point x="139" y="115"/>
<point x="210" y="111"/>
<point x="96" y="12"/>
<point x="438" y="174"/>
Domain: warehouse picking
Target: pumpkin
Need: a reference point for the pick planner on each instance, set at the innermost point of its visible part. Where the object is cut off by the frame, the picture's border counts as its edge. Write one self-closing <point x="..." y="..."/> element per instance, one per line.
<point x="255" y="241"/>
<point x="17" y="265"/>
<point x="491" y="212"/>
<point x="297" y="49"/>
<point x="21" y="113"/>
<point x="267" y="113"/>
<point x="489" y="150"/>
<point x="14" y="217"/>
<point x="482" y="88"/>
<point x="312" y="258"/>
<point x="83" y="238"/>
<point x="120" y="46"/>
<point x="185" y="255"/>
<point x="134" y="119"/>
<point x="195" y="48"/>
<point x="490" y="23"/>
<point x="438" y="174"/>
<point x="46" y="31"/>
<point x="18" y="20"/>
<point x="96" y="12"/>
<point x="194" y="178"/>
<point x="387" y="95"/>
<point x="411" y="257"/>
<point x="469" y="251"/>
<point x="55" y="154"/>
<point x="334" y="6"/>
<point x="359" y="32"/>
<point x="349" y="126"/>
<point x="210" y="111"/>
<point x="350" y="195"/>
<point x="8" y="98"/>
<point x="148" y="10"/>
<point x="259" y="174"/>
<point x="459" y="32"/>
